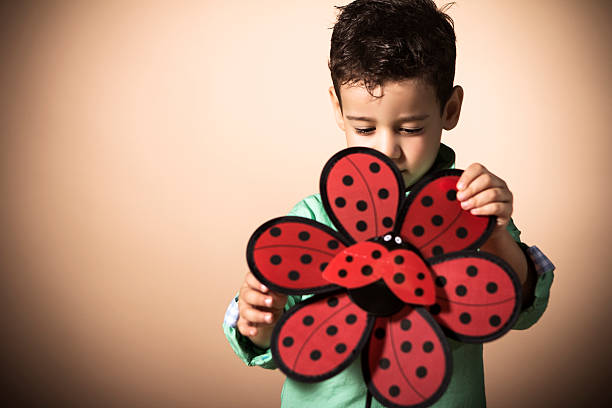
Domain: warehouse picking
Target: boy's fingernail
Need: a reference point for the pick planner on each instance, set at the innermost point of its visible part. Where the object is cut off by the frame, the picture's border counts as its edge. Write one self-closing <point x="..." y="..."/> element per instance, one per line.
<point x="460" y="185"/>
<point x="269" y="318"/>
<point x="264" y="288"/>
<point x="253" y="332"/>
<point x="466" y="205"/>
<point x="268" y="301"/>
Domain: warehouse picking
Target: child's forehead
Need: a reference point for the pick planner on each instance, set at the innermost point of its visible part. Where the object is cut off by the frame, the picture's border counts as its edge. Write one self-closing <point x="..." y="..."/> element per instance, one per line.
<point x="411" y="93"/>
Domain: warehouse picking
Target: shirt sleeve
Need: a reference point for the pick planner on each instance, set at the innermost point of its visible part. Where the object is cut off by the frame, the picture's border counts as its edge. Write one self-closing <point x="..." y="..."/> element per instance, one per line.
<point x="244" y="348"/>
<point x="543" y="267"/>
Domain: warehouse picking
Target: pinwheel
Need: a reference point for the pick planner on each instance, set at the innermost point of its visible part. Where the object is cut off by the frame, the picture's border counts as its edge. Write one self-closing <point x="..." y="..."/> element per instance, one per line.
<point x="397" y="276"/>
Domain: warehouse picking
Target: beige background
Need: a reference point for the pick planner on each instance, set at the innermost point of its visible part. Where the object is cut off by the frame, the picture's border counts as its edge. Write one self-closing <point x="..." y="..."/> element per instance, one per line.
<point x="142" y="143"/>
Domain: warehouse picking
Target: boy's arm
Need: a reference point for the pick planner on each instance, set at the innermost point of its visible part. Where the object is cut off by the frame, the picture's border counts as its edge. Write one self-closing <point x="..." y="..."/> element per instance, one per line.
<point x="245" y="347"/>
<point x="483" y="193"/>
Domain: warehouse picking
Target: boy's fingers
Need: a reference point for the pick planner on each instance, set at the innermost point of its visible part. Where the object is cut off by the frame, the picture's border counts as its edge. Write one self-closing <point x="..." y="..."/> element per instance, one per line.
<point x="503" y="211"/>
<point x="491" y="195"/>
<point x="469" y="174"/>
<point x="252" y="315"/>
<point x="482" y="182"/>
<point x="278" y="301"/>
<point x="246" y="329"/>
<point x="252" y="281"/>
<point x="255" y="298"/>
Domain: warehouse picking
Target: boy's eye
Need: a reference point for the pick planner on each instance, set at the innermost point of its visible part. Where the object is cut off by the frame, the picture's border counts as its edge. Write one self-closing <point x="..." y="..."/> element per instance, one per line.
<point x="410" y="131"/>
<point x="364" y="131"/>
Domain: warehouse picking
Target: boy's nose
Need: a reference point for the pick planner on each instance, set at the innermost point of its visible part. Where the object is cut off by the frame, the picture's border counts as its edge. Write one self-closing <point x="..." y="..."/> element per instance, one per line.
<point x="386" y="143"/>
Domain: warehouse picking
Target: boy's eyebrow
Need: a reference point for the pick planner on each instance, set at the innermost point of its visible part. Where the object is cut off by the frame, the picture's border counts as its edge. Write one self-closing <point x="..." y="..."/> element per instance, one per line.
<point x="410" y="118"/>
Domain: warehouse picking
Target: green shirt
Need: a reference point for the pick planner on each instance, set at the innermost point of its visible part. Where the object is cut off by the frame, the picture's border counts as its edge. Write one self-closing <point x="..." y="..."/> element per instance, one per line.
<point x="347" y="389"/>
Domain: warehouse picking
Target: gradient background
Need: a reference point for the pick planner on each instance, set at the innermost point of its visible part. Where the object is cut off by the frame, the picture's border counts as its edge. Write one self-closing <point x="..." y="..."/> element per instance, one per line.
<point x="141" y="145"/>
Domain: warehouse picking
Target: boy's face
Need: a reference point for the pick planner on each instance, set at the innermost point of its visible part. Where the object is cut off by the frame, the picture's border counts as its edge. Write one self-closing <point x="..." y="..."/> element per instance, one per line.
<point x="404" y="124"/>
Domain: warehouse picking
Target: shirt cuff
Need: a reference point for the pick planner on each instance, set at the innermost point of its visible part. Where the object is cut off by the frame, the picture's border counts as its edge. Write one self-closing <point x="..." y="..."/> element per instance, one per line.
<point x="544" y="270"/>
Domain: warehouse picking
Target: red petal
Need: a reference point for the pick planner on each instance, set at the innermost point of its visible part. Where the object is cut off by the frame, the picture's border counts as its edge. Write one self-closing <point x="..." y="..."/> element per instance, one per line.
<point x="320" y="337"/>
<point x="288" y="254"/>
<point x="360" y="190"/>
<point x="407" y="362"/>
<point x="478" y="296"/>
<point x="355" y="266"/>
<point x="409" y="278"/>
<point x="434" y="221"/>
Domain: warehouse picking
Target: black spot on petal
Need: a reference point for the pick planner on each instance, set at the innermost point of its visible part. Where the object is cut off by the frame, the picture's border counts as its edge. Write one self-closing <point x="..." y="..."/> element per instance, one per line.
<point x="461" y="232"/>
<point x="437" y="220"/>
<point x="427" y="201"/>
<point x="405" y="324"/>
<point x="435" y="309"/>
<point x="465" y="318"/>
<point x="306" y="259"/>
<point x="332" y="301"/>
<point x="387" y="222"/>
<point x="350" y="319"/>
<point x="384" y="363"/>
<point x="440" y="281"/>
<point x="421" y="372"/>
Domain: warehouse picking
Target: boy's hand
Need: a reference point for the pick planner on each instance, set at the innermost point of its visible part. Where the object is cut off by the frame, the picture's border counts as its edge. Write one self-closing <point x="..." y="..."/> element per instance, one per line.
<point x="259" y="310"/>
<point x="483" y="193"/>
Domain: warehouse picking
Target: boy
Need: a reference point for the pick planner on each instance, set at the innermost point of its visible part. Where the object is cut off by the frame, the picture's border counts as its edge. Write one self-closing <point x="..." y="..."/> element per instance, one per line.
<point x="392" y="64"/>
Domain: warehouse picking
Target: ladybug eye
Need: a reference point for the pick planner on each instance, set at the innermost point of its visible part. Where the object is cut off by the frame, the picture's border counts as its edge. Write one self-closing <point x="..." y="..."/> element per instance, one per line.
<point x="398" y="240"/>
<point x="387" y="238"/>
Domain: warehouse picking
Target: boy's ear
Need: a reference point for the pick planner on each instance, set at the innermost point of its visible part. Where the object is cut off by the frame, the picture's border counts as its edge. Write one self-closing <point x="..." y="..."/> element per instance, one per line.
<point x="450" y="116"/>
<point x="336" y="107"/>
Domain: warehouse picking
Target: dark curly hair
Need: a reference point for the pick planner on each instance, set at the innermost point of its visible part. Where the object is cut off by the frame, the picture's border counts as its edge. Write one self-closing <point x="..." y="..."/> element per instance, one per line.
<point x="374" y="41"/>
